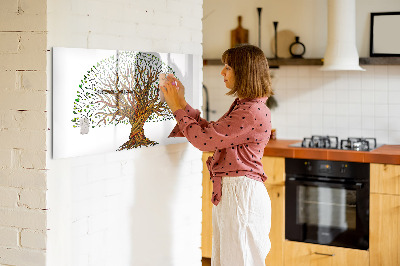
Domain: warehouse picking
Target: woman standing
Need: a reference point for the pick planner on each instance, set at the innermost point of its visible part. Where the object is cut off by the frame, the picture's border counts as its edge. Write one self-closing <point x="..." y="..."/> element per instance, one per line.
<point x="242" y="208"/>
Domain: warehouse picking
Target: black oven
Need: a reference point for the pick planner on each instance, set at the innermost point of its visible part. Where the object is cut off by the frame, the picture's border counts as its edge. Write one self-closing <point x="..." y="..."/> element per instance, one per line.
<point x="327" y="202"/>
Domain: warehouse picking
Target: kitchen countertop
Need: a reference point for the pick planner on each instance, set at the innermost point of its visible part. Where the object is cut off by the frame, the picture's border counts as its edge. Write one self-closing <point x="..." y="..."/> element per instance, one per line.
<point x="389" y="154"/>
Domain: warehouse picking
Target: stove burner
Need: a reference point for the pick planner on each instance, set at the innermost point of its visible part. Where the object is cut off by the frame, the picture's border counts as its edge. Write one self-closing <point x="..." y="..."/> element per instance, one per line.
<point x="358" y="144"/>
<point x="332" y="142"/>
<point x="328" y="142"/>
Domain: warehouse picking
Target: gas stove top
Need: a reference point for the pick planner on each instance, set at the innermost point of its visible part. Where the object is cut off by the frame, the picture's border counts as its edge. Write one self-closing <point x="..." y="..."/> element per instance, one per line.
<point x="332" y="142"/>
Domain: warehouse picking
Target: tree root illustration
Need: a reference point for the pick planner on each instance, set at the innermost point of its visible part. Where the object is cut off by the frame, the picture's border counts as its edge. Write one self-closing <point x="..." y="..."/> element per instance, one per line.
<point x="136" y="140"/>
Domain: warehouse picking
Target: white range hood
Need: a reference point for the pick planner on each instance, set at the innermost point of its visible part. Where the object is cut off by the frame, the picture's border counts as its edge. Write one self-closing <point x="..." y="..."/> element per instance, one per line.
<point x="341" y="51"/>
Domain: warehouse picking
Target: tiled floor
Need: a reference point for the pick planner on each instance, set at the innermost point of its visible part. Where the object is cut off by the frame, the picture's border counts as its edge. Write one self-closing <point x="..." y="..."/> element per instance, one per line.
<point x="206" y="261"/>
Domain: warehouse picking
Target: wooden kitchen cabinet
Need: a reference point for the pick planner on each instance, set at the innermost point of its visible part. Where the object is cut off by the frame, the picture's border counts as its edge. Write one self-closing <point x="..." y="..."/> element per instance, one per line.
<point x="274" y="168"/>
<point x="277" y="233"/>
<point x="305" y="254"/>
<point x="206" y="225"/>
<point x="385" y="178"/>
<point x="384" y="236"/>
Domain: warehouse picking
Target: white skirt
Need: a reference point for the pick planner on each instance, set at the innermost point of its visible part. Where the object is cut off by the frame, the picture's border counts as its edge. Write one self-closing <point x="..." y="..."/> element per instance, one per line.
<point x="241" y="223"/>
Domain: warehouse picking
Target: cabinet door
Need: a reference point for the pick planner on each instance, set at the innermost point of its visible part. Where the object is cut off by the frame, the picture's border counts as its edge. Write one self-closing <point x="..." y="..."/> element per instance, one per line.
<point x="274" y="168"/>
<point x="384" y="230"/>
<point x="385" y="178"/>
<point x="206" y="232"/>
<point x="304" y="254"/>
<point x="277" y="233"/>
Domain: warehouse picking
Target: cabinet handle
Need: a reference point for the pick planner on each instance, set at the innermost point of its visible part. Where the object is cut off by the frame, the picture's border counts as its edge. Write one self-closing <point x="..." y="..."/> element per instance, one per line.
<point x="325" y="254"/>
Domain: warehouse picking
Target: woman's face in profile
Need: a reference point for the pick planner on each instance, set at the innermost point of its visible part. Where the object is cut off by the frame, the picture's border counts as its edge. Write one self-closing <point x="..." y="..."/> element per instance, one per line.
<point x="229" y="76"/>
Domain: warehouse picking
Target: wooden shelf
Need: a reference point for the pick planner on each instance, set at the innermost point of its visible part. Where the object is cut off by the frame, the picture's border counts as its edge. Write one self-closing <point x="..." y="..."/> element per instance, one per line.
<point x="212" y="62"/>
<point x="273" y="63"/>
<point x="380" y="61"/>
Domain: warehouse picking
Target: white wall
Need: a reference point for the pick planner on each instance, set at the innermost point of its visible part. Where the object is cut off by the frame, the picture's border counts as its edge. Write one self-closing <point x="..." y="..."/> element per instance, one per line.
<point x="137" y="207"/>
<point x="311" y="102"/>
<point x="23" y="133"/>
<point x="305" y="18"/>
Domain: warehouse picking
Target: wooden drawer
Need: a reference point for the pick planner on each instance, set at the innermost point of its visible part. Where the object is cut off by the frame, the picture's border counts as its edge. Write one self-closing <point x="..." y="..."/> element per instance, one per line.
<point x="385" y="178"/>
<point x="304" y="254"/>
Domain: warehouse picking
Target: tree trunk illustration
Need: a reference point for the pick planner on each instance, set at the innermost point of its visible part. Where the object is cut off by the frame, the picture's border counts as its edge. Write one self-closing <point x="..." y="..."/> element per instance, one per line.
<point x="137" y="137"/>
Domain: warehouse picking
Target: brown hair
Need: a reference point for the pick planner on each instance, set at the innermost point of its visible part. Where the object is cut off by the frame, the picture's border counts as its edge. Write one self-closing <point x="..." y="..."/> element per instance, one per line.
<point x="250" y="66"/>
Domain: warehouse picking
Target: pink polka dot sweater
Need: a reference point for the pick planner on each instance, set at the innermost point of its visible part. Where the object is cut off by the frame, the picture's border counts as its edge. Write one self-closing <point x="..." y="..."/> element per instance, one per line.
<point x="238" y="139"/>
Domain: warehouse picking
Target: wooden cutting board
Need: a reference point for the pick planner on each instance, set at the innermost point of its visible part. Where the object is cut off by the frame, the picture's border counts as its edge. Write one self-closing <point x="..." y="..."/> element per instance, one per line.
<point x="239" y="35"/>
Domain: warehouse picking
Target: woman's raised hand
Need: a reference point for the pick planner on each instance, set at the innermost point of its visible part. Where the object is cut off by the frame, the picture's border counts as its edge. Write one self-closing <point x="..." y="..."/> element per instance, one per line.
<point x="181" y="90"/>
<point x="173" y="93"/>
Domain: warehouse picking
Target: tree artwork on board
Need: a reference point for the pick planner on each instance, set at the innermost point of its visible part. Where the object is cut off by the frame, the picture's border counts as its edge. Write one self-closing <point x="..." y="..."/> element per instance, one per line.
<point x="122" y="89"/>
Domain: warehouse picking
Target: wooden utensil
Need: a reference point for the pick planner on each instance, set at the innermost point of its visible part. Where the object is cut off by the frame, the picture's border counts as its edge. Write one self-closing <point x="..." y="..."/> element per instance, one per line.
<point x="239" y="35"/>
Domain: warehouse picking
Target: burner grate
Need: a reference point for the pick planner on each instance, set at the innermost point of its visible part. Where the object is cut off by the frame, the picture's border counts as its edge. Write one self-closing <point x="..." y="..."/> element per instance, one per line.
<point x="327" y="142"/>
<point x="358" y="144"/>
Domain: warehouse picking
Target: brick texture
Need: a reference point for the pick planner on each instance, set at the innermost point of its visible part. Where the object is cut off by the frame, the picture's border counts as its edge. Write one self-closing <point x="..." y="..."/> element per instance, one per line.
<point x="30" y="52"/>
<point x="23" y="218"/>
<point x="33" y="239"/>
<point x="8" y="80"/>
<point x="9" y="42"/>
<point x="33" y="199"/>
<point x="8" y="197"/>
<point x="17" y="256"/>
<point x="23" y="178"/>
<point x="9" y="237"/>
<point x="23" y="125"/>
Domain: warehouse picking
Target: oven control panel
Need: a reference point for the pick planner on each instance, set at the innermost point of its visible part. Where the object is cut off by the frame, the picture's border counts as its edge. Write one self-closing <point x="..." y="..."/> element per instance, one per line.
<point x="325" y="167"/>
<point x="338" y="169"/>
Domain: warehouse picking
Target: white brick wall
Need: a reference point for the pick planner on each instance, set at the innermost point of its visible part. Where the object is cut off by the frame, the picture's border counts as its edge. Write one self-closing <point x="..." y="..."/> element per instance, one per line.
<point x="9" y="197"/>
<point x="23" y="128"/>
<point x="138" y="207"/>
<point x="33" y="239"/>
<point x="9" y="237"/>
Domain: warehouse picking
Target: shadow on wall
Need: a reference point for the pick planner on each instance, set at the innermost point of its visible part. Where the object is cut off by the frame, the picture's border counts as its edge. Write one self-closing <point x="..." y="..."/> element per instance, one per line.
<point x="155" y="195"/>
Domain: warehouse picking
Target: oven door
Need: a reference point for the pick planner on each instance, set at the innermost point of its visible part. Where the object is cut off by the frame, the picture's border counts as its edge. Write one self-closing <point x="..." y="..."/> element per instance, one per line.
<point x="327" y="213"/>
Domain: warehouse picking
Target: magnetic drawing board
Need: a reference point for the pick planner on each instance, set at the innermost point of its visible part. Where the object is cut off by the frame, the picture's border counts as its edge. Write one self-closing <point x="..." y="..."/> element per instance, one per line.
<point x="109" y="100"/>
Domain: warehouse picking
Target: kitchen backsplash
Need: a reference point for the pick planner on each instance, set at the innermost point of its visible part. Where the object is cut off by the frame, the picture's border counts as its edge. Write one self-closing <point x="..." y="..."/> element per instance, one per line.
<point x="314" y="102"/>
